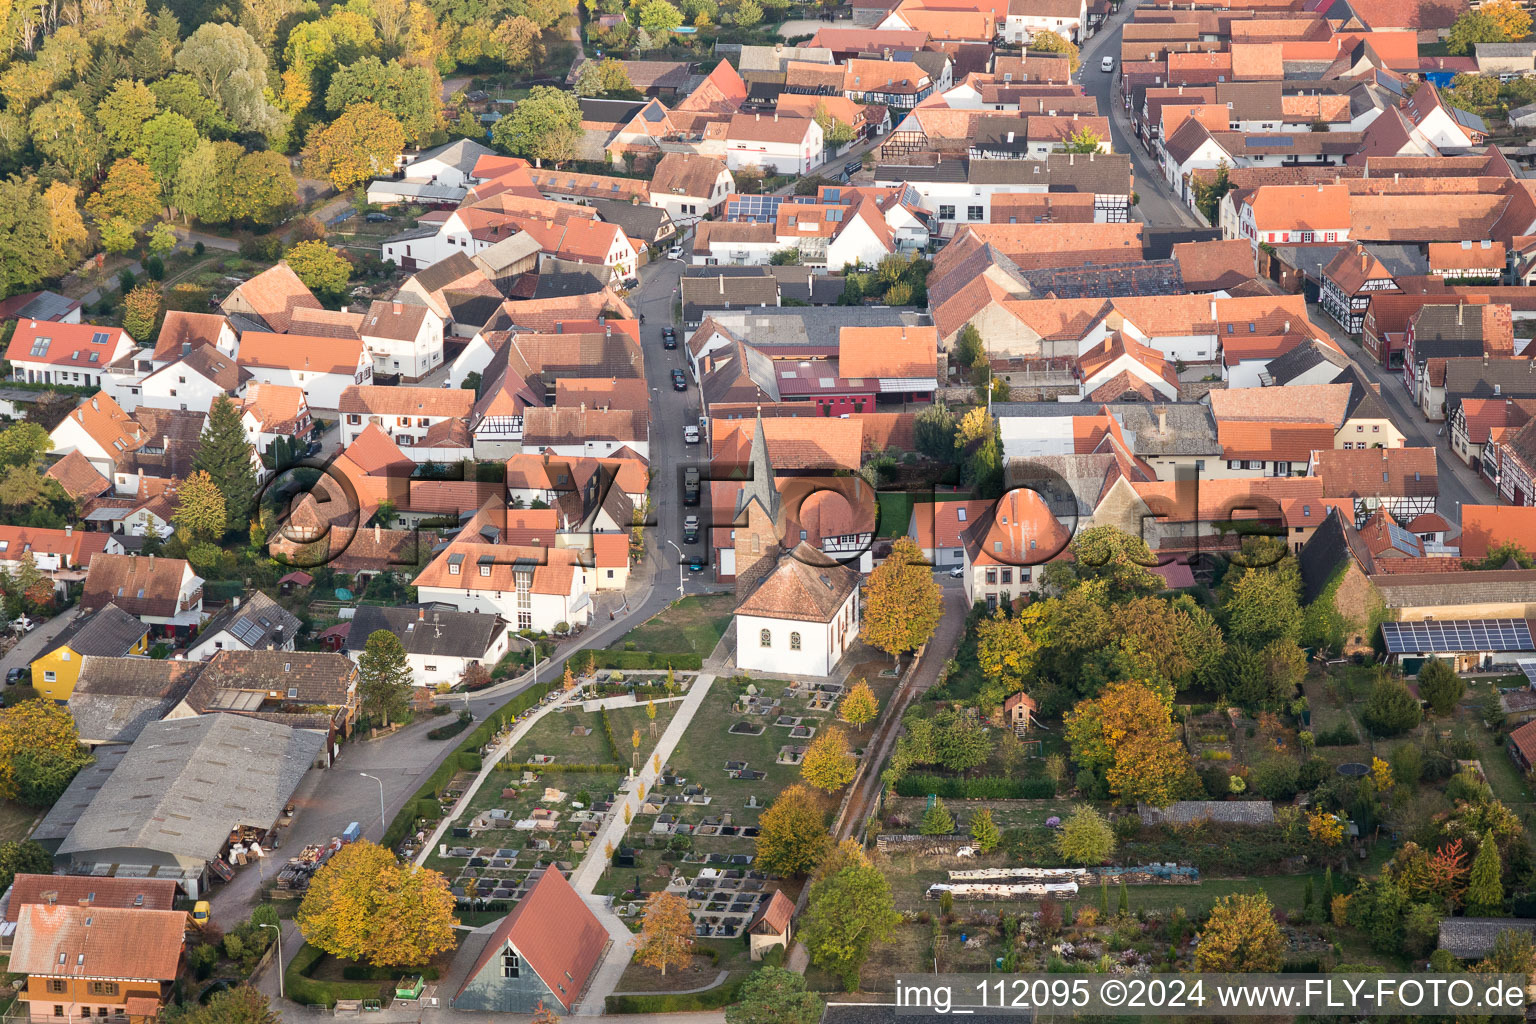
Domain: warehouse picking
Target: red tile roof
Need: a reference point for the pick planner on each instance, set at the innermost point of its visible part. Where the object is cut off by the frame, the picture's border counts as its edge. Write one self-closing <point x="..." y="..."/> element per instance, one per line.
<point x="1360" y="473"/>
<point x="554" y="932"/>
<point x="71" y="941"/>
<point x="61" y="344"/>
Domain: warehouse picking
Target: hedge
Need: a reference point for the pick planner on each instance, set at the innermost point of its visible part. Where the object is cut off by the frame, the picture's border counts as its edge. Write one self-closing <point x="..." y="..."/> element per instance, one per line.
<point x="464" y="757"/>
<point x="1341" y="735"/>
<point x="529" y="766"/>
<point x="307" y="991"/>
<point x="664" y="1002"/>
<point x="632" y="660"/>
<point x="613" y="746"/>
<point x="988" y="787"/>
<point x="362" y="972"/>
<point x="452" y="729"/>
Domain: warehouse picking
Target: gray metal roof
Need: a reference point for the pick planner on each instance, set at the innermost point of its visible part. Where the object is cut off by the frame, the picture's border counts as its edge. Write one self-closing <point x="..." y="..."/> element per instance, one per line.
<point x="184" y="784"/>
<point x="462" y="154"/>
<point x="69" y="808"/>
<point x="111" y="718"/>
<point x="418" y="189"/>
<point x="810" y="325"/>
<point x="1472" y="938"/>
<point x="423" y="631"/>
<point x="1231" y="812"/>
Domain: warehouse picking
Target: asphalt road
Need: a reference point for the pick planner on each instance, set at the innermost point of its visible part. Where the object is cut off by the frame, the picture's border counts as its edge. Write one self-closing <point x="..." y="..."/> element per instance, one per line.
<point x="1155" y="204"/>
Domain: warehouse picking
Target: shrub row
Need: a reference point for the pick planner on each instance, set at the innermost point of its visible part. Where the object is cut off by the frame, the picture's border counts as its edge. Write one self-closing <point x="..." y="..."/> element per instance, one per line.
<point x="613" y="746"/>
<point x="363" y="972"/>
<point x="642" y="691"/>
<point x="632" y="660"/>
<point x="529" y="766"/>
<point x="453" y="728"/>
<point x="464" y="757"/>
<point x="988" y="787"/>
<point x="664" y="1002"/>
<point x="1341" y="735"/>
<point x="307" y="991"/>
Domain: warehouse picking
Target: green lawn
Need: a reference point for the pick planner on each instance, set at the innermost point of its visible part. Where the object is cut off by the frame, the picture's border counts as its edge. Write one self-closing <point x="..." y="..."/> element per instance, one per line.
<point x="693" y="625"/>
<point x="895" y="513"/>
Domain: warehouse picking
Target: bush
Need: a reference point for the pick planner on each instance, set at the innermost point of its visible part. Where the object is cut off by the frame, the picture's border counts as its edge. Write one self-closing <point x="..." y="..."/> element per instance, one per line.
<point x="453" y="728"/>
<point x="1341" y="735"/>
<point x="1391" y="709"/>
<point x="1216" y="755"/>
<point x="303" y="989"/>
<point x="630" y="661"/>
<point x="363" y="972"/>
<point x="988" y="787"/>
<point x="709" y="999"/>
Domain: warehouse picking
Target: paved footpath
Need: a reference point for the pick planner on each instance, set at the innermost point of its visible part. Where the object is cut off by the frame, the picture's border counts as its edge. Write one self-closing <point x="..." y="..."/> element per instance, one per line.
<point x="589" y="872"/>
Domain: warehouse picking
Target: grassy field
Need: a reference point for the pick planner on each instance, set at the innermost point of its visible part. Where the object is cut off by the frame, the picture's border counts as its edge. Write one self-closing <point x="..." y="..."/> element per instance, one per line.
<point x="693" y="625"/>
<point x="554" y="734"/>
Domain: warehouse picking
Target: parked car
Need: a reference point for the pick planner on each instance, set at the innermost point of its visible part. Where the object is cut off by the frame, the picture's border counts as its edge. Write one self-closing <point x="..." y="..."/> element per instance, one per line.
<point x="956" y="572"/>
<point x="669" y="337"/>
<point x="378" y="218"/>
<point x="690" y="435"/>
<point x="675" y="253"/>
<point x="679" y="382"/>
<point x="696" y="563"/>
<point x="17" y="675"/>
<point x="24" y="624"/>
<point x="1107" y="64"/>
<point x="690" y="529"/>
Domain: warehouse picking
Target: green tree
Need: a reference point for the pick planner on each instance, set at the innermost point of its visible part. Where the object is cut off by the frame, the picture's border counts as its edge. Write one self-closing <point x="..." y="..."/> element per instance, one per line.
<point x="41" y="776"/>
<point x="26" y="257"/>
<point x="1264" y="605"/>
<point x="933" y="432"/>
<point x="225" y="455"/>
<point x="23" y="444"/>
<point x="1472" y="28"/>
<point x="545" y="126"/>
<point x="604" y="77"/>
<point x="231" y="70"/>
<point x="834" y="132"/>
<point x="1085" y="838"/>
<point x="122" y="114"/>
<point x="1391" y="709"/>
<point x="902" y="603"/>
<point x="847" y="914"/>
<point x="161" y="240"/>
<point x="1441" y="686"/>
<point x="1485" y="884"/>
<point x="658" y="16"/>
<point x="410" y="94"/>
<point x="203" y="176"/>
<point x="361" y="144"/>
<point x="22" y="857"/>
<point x="200" y="509"/>
<point x="749" y="13"/>
<point x="1117" y="558"/>
<point x="322" y="269"/>
<point x="60" y="131"/>
<point x="384" y="677"/>
<point x="239" y="1005"/>
<point x="263" y="189"/>
<point x="984" y="831"/>
<point x="937" y="821"/>
<point x="772" y="995"/>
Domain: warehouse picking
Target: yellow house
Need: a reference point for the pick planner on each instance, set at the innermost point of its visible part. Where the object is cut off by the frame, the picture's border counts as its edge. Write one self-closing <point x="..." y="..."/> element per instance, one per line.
<point x="110" y="633"/>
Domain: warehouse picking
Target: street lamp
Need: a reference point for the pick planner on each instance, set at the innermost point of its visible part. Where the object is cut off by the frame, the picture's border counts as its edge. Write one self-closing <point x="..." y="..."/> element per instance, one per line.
<point x="679" y="566"/>
<point x="383" y="824"/>
<point x="280" y="964"/>
<point x="533" y="645"/>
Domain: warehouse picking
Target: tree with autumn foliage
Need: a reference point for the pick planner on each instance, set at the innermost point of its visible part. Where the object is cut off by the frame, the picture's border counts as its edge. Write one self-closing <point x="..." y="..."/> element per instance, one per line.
<point x="1054" y="42"/>
<point x="1509" y="16"/>
<point x="363" y="904"/>
<point x="200" y="511"/>
<point x="1241" y="937"/>
<point x="792" y="833"/>
<point x="322" y="269"/>
<point x="141" y="311"/>
<point x="1006" y="648"/>
<point x="860" y="706"/>
<point x="666" y="933"/>
<point x="33" y="733"/>
<point x="1127" y="735"/>
<point x="130" y="193"/>
<point x="902" y="603"/>
<point x="829" y="763"/>
<point x="359" y="145"/>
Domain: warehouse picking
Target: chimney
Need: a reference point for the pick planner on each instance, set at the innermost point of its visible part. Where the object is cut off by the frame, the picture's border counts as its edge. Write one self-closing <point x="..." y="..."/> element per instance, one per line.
<point x="421" y="614"/>
<point x="165" y="441"/>
<point x="1460" y="312"/>
<point x="68" y="530"/>
<point x="151" y="561"/>
<point x="1162" y="419"/>
<point x="378" y="534"/>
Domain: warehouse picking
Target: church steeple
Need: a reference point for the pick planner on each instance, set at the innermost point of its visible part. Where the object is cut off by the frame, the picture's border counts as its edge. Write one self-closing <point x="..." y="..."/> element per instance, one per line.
<point x="760" y="486"/>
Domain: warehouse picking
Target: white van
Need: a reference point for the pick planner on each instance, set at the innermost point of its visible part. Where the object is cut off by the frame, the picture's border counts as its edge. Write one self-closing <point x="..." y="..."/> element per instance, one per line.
<point x="1107" y="64"/>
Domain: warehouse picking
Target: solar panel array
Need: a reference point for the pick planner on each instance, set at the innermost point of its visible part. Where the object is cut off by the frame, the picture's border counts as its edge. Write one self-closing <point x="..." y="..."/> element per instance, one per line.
<point x="1528" y="666"/>
<point x="1450" y="636"/>
<point x="249" y="631"/>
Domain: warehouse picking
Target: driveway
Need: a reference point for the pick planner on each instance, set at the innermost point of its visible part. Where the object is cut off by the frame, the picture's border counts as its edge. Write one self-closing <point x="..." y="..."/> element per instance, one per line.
<point x="34" y="644"/>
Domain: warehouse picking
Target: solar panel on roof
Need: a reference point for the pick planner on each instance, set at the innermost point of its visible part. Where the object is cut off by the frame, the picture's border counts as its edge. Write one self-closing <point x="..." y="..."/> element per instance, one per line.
<point x="1450" y="636"/>
<point x="1528" y="666"/>
<point x="1271" y="140"/>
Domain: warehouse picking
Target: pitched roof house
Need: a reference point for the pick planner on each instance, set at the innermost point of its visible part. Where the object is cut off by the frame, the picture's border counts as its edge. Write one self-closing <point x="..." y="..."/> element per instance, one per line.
<point x="161" y="591"/>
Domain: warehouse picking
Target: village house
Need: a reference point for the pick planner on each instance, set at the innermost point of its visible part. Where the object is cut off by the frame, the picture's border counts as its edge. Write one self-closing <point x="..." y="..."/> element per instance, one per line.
<point x="161" y="591"/>
<point x="404" y="340"/>
<point x="85" y="961"/>
<point x="108" y="632"/>
<point x="322" y="367"/>
<point x="440" y="646"/>
<point x="421" y="421"/>
<point x="253" y="623"/>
